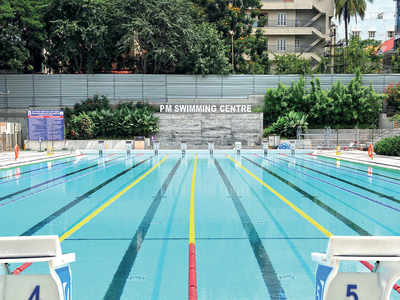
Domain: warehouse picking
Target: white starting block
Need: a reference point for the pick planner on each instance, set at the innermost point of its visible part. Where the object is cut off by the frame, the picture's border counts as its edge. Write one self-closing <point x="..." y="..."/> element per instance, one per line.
<point x="265" y="148"/>
<point x="292" y="148"/>
<point x="211" y="148"/>
<point x="101" y="148"/>
<point x="377" y="285"/>
<point x="53" y="286"/>
<point x="128" y="145"/>
<point x="238" y="147"/>
<point x="156" y="148"/>
<point x="183" y="148"/>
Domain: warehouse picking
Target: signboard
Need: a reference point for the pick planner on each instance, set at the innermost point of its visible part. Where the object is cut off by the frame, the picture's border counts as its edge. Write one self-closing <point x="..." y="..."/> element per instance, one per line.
<point x="46" y="125"/>
<point x="206" y="108"/>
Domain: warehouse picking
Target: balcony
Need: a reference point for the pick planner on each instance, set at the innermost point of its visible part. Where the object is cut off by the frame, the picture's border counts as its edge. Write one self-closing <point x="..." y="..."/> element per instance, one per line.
<point x="291" y="27"/>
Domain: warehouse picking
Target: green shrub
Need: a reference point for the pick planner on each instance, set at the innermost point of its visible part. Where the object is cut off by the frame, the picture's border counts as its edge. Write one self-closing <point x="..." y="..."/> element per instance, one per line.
<point x="351" y="106"/>
<point x="94" y="118"/>
<point x="393" y="96"/>
<point x="81" y="126"/>
<point x="287" y="125"/>
<point x="388" y="146"/>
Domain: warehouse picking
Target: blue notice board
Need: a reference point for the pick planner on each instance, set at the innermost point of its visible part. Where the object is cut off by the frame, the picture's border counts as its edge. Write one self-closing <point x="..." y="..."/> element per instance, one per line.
<point x="46" y="125"/>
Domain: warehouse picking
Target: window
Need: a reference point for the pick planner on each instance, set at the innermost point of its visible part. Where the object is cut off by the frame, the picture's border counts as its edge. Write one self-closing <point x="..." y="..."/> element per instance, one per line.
<point x="371" y="35"/>
<point x="390" y="34"/>
<point x="297" y="45"/>
<point x="356" y="34"/>
<point x="281" y="45"/>
<point x="282" y="19"/>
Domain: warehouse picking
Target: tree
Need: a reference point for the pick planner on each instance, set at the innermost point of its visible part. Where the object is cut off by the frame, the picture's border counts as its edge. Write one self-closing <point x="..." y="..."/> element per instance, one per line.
<point x="81" y="35"/>
<point x="344" y="9"/>
<point x="362" y="56"/>
<point x="231" y="17"/>
<point x="292" y="64"/>
<point x="166" y="37"/>
<point x="21" y="35"/>
<point x="256" y="52"/>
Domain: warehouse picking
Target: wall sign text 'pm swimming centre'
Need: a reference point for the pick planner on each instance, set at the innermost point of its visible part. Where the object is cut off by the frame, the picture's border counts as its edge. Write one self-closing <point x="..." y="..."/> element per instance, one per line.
<point x="205" y="108"/>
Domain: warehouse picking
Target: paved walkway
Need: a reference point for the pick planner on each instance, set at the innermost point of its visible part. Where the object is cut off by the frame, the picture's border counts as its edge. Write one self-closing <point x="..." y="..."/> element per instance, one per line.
<point x="392" y="162"/>
<point x="7" y="159"/>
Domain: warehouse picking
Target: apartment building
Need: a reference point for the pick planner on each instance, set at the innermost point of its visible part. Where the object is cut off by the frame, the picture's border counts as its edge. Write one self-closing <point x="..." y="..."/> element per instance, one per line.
<point x="297" y="26"/>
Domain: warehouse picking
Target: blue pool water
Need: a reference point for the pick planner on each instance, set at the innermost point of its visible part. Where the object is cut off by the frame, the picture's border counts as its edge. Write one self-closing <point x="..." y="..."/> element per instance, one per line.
<point x="249" y="243"/>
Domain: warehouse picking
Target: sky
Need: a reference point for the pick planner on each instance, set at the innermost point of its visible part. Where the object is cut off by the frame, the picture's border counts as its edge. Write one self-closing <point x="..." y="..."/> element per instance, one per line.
<point x="371" y="22"/>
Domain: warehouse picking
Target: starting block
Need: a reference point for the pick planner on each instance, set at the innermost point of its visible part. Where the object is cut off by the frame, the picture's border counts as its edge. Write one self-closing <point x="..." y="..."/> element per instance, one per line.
<point x="238" y="147"/>
<point x="377" y="285"/>
<point x="211" y="148"/>
<point x="156" y="148"/>
<point x="128" y="145"/>
<point x="32" y="249"/>
<point x="101" y="148"/>
<point x="183" y="148"/>
<point x="265" y="148"/>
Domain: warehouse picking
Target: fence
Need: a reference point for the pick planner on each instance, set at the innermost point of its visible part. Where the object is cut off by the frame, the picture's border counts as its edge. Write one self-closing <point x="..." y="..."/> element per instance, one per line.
<point x="22" y="91"/>
<point x="10" y="135"/>
<point x="346" y="138"/>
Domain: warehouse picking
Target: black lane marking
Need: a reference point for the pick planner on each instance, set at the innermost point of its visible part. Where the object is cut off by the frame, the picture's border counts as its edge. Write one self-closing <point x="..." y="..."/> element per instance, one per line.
<point x="391" y="198"/>
<point x="270" y="277"/>
<point x="51" y="180"/>
<point x="116" y="287"/>
<point x="204" y="238"/>
<point x="82" y="197"/>
<point x="328" y="209"/>
<point x="375" y="174"/>
<point x="30" y="171"/>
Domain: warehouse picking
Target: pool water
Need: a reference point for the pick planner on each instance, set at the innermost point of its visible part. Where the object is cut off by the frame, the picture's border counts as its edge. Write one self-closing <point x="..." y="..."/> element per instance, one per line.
<point x="254" y="220"/>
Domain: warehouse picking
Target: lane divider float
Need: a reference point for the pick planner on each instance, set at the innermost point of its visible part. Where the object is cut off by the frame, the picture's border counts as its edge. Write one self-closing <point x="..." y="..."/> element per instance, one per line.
<point x="192" y="240"/>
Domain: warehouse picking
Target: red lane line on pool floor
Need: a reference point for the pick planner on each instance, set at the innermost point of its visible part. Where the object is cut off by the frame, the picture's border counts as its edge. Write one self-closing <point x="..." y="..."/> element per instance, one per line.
<point x="192" y="241"/>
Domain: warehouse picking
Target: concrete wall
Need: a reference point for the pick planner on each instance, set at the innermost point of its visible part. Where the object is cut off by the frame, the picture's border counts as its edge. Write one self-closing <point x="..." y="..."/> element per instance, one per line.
<point x="199" y="129"/>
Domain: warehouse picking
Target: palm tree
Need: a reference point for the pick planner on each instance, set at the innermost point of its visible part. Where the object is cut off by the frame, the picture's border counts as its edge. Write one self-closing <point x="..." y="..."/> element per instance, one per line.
<point x="349" y="8"/>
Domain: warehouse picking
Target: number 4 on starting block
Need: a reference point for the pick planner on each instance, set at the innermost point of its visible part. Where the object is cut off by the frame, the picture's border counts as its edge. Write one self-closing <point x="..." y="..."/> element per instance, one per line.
<point x="53" y="286"/>
<point x="333" y="285"/>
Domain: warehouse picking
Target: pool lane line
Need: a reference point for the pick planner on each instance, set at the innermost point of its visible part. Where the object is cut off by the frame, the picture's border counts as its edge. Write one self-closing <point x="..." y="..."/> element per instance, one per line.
<point x="326" y="232"/>
<point x="391" y="198"/>
<point x="292" y="246"/>
<point x="35" y="228"/>
<point x="165" y="240"/>
<point x="52" y="180"/>
<point x="361" y="170"/>
<point x="50" y="186"/>
<point x="268" y="272"/>
<point x="37" y="169"/>
<point x="338" y="187"/>
<point x="349" y="223"/>
<point x="282" y="198"/>
<point x="353" y="192"/>
<point x="90" y="216"/>
<point x="192" y="239"/>
<point x="342" y="169"/>
<point x="116" y="287"/>
<point x="74" y="228"/>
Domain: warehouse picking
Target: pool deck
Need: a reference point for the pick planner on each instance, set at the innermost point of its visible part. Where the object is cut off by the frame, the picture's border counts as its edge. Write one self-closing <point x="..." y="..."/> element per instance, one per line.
<point x="391" y="162"/>
<point x="7" y="159"/>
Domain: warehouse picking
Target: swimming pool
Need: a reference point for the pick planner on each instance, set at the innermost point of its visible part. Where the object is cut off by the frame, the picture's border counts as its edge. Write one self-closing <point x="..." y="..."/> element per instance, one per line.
<point x="253" y="220"/>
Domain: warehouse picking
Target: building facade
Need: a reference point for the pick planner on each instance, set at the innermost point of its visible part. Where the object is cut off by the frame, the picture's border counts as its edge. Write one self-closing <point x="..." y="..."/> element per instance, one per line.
<point x="378" y="23"/>
<point x="297" y="26"/>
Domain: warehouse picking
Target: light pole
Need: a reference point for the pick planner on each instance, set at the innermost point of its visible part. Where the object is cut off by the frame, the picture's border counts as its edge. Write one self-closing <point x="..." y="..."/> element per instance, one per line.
<point x="233" y="58"/>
